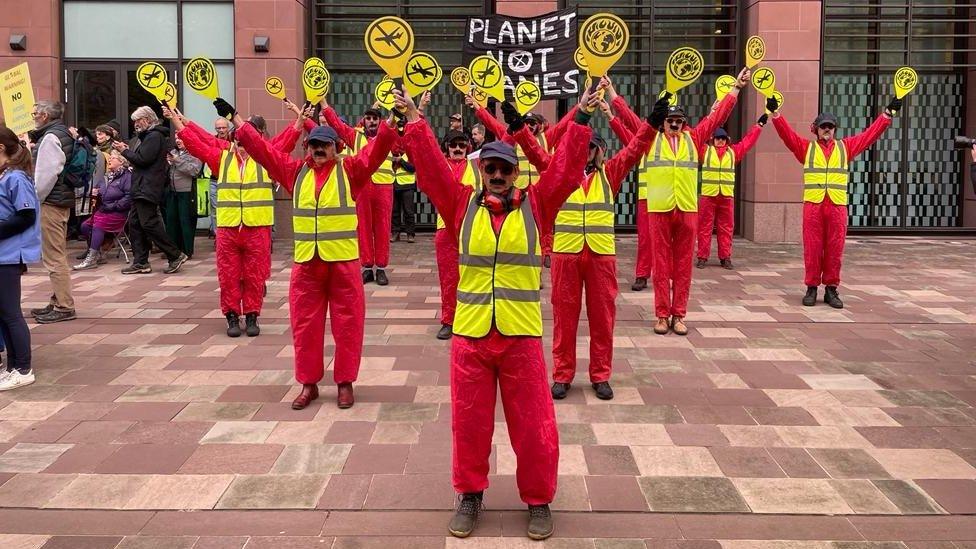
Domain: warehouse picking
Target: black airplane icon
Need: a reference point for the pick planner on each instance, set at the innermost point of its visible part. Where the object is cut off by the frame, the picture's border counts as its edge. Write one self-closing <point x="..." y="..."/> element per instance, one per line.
<point x="528" y="94"/>
<point x="389" y="39"/>
<point x="426" y="72"/>
<point x="274" y="86"/>
<point x="489" y="71"/>
<point x="151" y="76"/>
<point x="763" y="79"/>
<point x="725" y="85"/>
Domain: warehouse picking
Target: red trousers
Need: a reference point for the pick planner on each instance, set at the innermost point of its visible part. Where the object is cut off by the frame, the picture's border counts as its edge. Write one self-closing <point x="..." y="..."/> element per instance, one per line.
<point x="673" y="241"/>
<point x="243" y="267"/>
<point x="545" y="242"/>
<point x="478" y="367"/>
<point x="446" y="250"/>
<point x="645" y="265"/>
<point x="316" y="286"/>
<point x="570" y="274"/>
<point x="715" y="209"/>
<point x="374" y="207"/>
<point x="824" y="231"/>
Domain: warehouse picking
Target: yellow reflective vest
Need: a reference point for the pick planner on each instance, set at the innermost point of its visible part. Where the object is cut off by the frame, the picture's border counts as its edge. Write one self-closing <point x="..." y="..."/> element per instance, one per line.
<point x="672" y="175"/>
<point x="528" y="175"/>
<point x="403" y="178"/>
<point x="500" y="275"/>
<point x="470" y="177"/>
<point x="243" y="199"/>
<point x="718" y="174"/>
<point x="324" y="225"/>
<point x="586" y="216"/>
<point x="826" y="176"/>
<point x="384" y="174"/>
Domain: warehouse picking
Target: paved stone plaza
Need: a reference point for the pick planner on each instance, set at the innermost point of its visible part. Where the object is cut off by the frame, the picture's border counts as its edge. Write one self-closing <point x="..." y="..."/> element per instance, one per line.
<point x="770" y="421"/>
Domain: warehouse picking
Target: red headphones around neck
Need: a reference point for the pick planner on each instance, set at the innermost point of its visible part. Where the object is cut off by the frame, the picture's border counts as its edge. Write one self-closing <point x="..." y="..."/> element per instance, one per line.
<point x="502" y="204"/>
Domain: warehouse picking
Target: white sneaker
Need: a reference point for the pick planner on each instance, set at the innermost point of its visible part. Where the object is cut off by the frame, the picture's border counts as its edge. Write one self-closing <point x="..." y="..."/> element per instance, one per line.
<point x="15" y="379"/>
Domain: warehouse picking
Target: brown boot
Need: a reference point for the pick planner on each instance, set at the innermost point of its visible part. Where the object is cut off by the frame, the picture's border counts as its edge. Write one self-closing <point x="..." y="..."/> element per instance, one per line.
<point x="345" y="398"/>
<point x="661" y="327"/>
<point x="678" y="326"/>
<point x="310" y="392"/>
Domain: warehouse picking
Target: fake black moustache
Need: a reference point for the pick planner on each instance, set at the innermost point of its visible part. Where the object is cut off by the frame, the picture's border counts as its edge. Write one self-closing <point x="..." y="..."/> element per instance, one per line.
<point x="496" y="181"/>
<point x="675" y="127"/>
<point x="319" y="154"/>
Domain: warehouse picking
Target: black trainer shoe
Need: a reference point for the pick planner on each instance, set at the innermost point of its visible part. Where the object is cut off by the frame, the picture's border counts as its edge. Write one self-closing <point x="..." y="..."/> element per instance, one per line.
<point x="176" y="264"/>
<point x="540" y="522"/>
<point x="603" y="390"/>
<point x="137" y="269"/>
<point x="368" y="275"/>
<point x="700" y="263"/>
<point x="639" y="284"/>
<point x="831" y="298"/>
<point x="395" y="237"/>
<point x="42" y="311"/>
<point x="233" y="325"/>
<point x="445" y="332"/>
<point x="727" y="264"/>
<point x="56" y="316"/>
<point x="466" y="515"/>
<point x="810" y="299"/>
<point x="251" y="325"/>
<point x="381" y="277"/>
<point x="559" y="390"/>
<point x="547" y="262"/>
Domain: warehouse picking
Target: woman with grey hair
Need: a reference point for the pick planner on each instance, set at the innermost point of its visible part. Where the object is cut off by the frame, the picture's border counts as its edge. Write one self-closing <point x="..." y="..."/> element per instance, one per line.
<point x="149" y="177"/>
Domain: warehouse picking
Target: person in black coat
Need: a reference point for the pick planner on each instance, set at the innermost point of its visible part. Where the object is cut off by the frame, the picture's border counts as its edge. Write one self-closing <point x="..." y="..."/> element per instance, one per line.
<point x="149" y="177"/>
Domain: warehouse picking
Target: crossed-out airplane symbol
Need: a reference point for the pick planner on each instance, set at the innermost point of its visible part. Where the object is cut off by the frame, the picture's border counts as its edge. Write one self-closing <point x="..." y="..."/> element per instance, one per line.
<point x="489" y="71"/>
<point x="725" y="85"/>
<point x="389" y="39"/>
<point x="149" y="78"/>
<point x="763" y="79"/>
<point x="528" y="94"/>
<point x="274" y="85"/>
<point x="426" y="72"/>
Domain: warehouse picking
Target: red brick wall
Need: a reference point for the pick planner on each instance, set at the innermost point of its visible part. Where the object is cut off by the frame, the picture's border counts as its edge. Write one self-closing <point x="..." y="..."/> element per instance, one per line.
<point x="40" y="20"/>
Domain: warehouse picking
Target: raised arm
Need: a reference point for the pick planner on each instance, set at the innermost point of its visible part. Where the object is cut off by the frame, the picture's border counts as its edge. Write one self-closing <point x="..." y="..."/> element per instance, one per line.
<point x="621" y="163"/>
<point x="360" y="167"/>
<point x="701" y="133"/>
<point x="746" y="143"/>
<point x="346" y="132"/>
<point x="555" y="133"/>
<point x="534" y="153"/>
<point x="856" y="144"/>
<point x="491" y="123"/>
<point x="201" y="145"/>
<point x="563" y="175"/>
<point x="796" y="144"/>
<point x="281" y="166"/>
<point x="627" y="117"/>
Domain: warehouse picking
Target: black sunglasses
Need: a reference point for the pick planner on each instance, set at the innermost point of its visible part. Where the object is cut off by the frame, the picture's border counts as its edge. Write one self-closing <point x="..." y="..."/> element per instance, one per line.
<point x="828" y="127"/>
<point x="458" y="145"/>
<point x="504" y="169"/>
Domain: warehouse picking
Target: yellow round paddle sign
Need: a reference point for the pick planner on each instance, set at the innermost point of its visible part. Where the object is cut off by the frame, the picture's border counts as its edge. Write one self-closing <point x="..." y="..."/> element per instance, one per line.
<point x="480" y="96"/>
<point x="201" y="75"/>
<point x="389" y="42"/>
<point x="384" y="93"/>
<point x="421" y="74"/>
<point x="603" y="39"/>
<point x="151" y="76"/>
<point x="486" y="74"/>
<point x="684" y="66"/>
<point x="764" y="80"/>
<point x="779" y="101"/>
<point x="461" y="79"/>
<point x="580" y="60"/>
<point x="673" y="100"/>
<point x="527" y="95"/>
<point x="755" y="51"/>
<point x="905" y="81"/>
<point x="275" y="87"/>
<point x="169" y="95"/>
<point x="723" y="85"/>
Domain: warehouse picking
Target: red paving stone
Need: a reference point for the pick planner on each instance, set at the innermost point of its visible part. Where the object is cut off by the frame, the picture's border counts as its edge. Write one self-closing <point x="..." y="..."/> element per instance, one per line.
<point x="764" y="399"/>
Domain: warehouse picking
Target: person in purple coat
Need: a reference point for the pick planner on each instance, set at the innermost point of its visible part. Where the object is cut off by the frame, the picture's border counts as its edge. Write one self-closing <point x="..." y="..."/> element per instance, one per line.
<point x="114" y="200"/>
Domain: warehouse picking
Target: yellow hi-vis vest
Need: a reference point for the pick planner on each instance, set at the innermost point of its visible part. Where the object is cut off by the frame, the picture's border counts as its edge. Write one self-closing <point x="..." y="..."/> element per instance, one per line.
<point x="243" y="200"/>
<point x="470" y="177"/>
<point x="718" y="174"/>
<point x="673" y="176"/>
<point x="324" y="224"/>
<point x="384" y="174"/>
<point x="644" y="175"/>
<point x="403" y="178"/>
<point x="586" y="216"/>
<point x="528" y="175"/>
<point x="500" y="275"/>
<point x="823" y="175"/>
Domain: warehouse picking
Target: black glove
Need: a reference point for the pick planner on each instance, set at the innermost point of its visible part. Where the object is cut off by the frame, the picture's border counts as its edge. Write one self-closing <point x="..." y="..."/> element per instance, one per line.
<point x="772" y="105"/>
<point x="582" y="117"/>
<point x="658" y="115"/>
<point x="664" y="100"/>
<point x="894" y="105"/>
<point x="224" y="108"/>
<point x="514" y="120"/>
<point x="762" y="120"/>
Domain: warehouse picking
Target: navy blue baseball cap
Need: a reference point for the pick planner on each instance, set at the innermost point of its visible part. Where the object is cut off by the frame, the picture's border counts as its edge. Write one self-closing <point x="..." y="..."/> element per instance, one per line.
<point x="720" y="134"/>
<point x="323" y="134"/>
<point x="499" y="150"/>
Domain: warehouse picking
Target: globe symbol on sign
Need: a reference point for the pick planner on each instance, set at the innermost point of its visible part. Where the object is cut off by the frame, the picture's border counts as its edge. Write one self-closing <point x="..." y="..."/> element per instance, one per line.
<point x="199" y="75"/>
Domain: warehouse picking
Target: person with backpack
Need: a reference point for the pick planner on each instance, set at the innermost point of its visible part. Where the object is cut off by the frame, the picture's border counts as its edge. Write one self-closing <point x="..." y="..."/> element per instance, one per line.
<point x="59" y="168"/>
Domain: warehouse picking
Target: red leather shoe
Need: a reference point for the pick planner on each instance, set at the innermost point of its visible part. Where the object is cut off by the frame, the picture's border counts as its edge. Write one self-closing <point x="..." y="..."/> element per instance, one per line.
<point x="345" y="399"/>
<point x="310" y="392"/>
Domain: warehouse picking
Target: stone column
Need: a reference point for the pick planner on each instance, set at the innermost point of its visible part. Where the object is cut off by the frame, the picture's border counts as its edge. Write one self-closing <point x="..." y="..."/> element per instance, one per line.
<point x="772" y="179"/>
<point x="40" y="20"/>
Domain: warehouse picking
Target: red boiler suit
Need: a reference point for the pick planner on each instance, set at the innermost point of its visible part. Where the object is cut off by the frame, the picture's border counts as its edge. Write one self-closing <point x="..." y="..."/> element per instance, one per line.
<point x="721" y="208"/>
<point x="318" y="285"/>
<point x="571" y="272"/>
<point x="643" y="266"/>
<point x="243" y="254"/>
<point x="516" y="363"/>
<point x="446" y="251"/>
<point x="825" y="224"/>
<point x="374" y="206"/>
<point x="673" y="232"/>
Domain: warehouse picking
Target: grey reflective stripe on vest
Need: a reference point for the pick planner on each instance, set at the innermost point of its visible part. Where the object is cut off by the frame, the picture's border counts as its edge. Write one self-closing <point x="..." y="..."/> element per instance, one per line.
<point x="656" y="161"/>
<point x="223" y="183"/>
<point x="579" y="229"/>
<point x="809" y="167"/>
<point x="471" y="298"/>
<point x="310" y="212"/>
<point x="588" y="207"/>
<point x="246" y="204"/>
<point x="511" y="294"/>
<point x="839" y="186"/>
<point x="500" y="258"/>
<point x="336" y="235"/>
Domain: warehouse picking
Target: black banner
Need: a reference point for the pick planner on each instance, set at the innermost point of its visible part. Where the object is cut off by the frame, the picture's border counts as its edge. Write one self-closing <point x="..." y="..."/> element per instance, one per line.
<point x="537" y="48"/>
